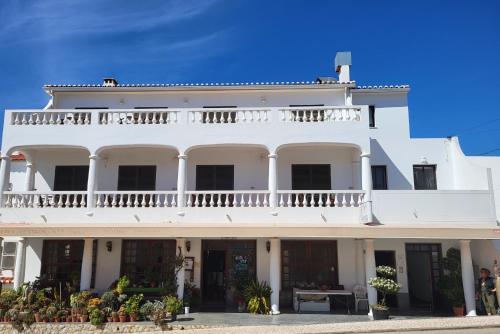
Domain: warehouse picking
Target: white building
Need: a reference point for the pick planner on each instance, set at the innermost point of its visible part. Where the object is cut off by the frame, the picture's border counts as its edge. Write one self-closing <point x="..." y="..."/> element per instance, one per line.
<point x="298" y="184"/>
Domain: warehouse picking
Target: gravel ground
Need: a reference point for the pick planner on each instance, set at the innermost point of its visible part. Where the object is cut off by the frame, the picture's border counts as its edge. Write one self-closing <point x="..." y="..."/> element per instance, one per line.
<point x="391" y="326"/>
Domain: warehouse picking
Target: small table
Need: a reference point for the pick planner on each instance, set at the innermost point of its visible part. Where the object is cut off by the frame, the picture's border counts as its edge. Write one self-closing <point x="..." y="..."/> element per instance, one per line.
<point x="345" y="293"/>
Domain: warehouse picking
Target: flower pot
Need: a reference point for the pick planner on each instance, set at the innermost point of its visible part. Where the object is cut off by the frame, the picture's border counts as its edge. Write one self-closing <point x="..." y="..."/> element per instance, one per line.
<point x="84" y="318"/>
<point x="133" y="316"/>
<point x="56" y="319"/>
<point x="186" y="309"/>
<point x="116" y="318"/>
<point x="458" y="311"/>
<point x="38" y="317"/>
<point x="110" y="319"/>
<point x="380" y="314"/>
<point x="69" y="318"/>
<point x="123" y="318"/>
<point x="75" y="318"/>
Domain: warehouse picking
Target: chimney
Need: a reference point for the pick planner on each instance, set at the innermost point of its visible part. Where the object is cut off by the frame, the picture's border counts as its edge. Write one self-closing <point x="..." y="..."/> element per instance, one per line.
<point x="342" y="65"/>
<point x="109" y="82"/>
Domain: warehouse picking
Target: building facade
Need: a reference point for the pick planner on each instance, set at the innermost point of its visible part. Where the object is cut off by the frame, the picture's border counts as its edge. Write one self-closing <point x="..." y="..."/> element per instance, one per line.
<point x="301" y="185"/>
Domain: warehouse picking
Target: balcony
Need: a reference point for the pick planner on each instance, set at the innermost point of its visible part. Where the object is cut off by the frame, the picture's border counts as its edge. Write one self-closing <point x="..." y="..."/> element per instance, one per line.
<point x="185" y="127"/>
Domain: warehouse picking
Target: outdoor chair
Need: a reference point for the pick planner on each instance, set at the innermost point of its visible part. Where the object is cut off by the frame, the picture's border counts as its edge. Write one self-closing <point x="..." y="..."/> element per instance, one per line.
<point x="360" y="295"/>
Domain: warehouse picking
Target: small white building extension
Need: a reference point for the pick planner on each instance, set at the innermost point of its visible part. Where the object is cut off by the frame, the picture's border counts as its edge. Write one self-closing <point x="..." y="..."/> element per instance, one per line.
<point x="299" y="184"/>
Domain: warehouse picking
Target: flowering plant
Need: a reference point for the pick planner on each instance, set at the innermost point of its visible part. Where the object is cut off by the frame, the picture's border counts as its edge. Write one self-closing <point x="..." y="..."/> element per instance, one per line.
<point x="384" y="284"/>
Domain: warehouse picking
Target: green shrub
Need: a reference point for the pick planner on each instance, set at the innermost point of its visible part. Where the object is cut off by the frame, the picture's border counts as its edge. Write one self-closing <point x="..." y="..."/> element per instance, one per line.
<point x="173" y="304"/>
<point x="257" y="296"/>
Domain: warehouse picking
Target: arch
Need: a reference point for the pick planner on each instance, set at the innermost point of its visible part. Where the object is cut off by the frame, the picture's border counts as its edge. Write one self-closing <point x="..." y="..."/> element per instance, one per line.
<point x="320" y="144"/>
<point x="228" y="145"/>
<point x="28" y="149"/>
<point x="134" y="146"/>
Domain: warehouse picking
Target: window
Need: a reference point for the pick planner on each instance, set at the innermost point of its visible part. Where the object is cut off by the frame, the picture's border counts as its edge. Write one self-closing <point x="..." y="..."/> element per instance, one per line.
<point x="309" y="264"/>
<point x="214" y="177"/>
<point x="424" y="177"/>
<point x="219" y="117"/>
<point x="71" y="178"/>
<point x="148" y="263"/>
<point x="136" y="177"/>
<point x="311" y="177"/>
<point x="379" y="177"/>
<point x="371" y="116"/>
<point x="62" y="261"/>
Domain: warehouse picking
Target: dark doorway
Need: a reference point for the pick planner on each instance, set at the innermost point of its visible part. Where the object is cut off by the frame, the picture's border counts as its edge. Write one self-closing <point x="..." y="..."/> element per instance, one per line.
<point x="226" y="264"/>
<point x="311" y="177"/>
<point x="62" y="262"/>
<point x="214" y="177"/>
<point x="214" y="266"/>
<point x="136" y="177"/>
<point x="424" y="268"/>
<point x="387" y="258"/>
<point x="71" y="178"/>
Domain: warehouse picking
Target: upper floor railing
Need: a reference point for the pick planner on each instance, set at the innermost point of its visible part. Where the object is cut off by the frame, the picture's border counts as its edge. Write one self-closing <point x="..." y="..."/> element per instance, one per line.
<point x="164" y="116"/>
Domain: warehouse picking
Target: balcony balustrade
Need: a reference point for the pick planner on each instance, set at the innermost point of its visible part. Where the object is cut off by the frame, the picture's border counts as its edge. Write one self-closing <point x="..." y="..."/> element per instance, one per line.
<point x="184" y="115"/>
<point x="49" y="199"/>
<point x="135" y="199"/>
<point x="244" y="198"/>
<point x="326" y="198"/>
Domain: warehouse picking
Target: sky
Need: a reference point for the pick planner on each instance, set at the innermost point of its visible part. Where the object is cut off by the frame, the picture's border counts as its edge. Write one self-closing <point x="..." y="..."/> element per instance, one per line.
<point x="447" y="51"/>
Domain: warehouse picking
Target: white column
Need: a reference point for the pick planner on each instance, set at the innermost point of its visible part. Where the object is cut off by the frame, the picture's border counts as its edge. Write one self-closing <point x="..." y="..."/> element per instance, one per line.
<point x="30" y="173"/>
<point x="370" y="271"/>
<point x="181" y="181"/>
<point x="4" y="175"/>
<point x="86" y="272"/>
<point x="19" y="264"/>
<point x="272" y="180"/>
<point x="366" y="184"/>
<point x="181" y="274"/>
<point x="468" y="278"/>
<point x="91" y="180"/>
<point x="275" y="274"/>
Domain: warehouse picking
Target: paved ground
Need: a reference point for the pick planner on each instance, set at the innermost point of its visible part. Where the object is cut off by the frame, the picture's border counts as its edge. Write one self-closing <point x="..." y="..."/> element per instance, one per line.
<point x="224" y="323"/>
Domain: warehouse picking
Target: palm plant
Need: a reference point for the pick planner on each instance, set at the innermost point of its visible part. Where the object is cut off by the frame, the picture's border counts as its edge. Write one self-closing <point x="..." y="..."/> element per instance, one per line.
<point x="257" y="295"/>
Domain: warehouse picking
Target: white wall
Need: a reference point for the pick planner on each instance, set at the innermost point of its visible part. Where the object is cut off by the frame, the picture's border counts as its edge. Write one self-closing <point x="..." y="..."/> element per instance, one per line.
<point x="186" y="99"/>
<point x="17" y="176"/>
<point x="108" y="263"/>
<point x="33" y="259"/>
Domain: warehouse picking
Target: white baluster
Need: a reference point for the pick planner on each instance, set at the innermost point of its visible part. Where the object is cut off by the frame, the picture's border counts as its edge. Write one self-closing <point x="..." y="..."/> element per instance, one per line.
<point x="336" y="200"/>
<point x="351" y="202"/>
<point x="297" y="203"/>
<point x="226" y="202"/>
<point x="212" y="200"/>
<point x="106" y="200"/>
<point x="75" y="201"/>
<point x="129" y="200"/>
<point x="219" y="200"/>
<point x="158" y="200"/>
<point x="320" y="199"/>
<point x="151" y="202"/>
<point x="281" y="203"/>
<point x="173" y="203"/>
<point x="289" y="200"/>
<point x="82" y="201"/>
<point x="328" y="199"/>
<point x="143" y="201"/>
<point x="265" y="203"/>
<point x="204" y="200"/>
<point x="257" y="200"/>
<point x="30" y="200"/>
<point x="189" y="200"/>
<point x="344" y="202"/>
<point x="235" y="200"/>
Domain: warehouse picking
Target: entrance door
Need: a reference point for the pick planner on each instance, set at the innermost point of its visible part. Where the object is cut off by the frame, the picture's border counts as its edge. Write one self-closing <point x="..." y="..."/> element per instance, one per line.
<point x="387" y="258"/>
<point x="226" y="265"/>
<point x="424" y="268"/>
<point x="214" y="285"/>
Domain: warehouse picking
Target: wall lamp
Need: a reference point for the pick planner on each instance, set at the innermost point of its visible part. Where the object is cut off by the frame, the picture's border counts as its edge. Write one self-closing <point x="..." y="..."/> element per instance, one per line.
<point x="188" y="246"/>
<point x="268" y="246"/>
<point x="109" y="246"/>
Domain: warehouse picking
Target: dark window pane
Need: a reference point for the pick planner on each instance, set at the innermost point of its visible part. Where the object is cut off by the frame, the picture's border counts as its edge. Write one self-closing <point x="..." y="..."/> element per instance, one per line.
<point x="311" y="177"/>
<point x="214" y="177"/>
<point x="136" y="178"/>
<point x="424" y="177"/>
<point x="379" y="177"/>
<point x="371" y="112"/>
<point x="71" y="178"/>
<point x="62" y="261"/>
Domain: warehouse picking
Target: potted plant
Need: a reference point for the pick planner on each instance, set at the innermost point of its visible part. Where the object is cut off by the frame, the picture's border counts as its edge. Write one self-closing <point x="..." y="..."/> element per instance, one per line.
<point x="154" y="311"/>
<point x="62" y="315"/>
<point x="173" y="306"/>
<point x="122" y="314"/>
<point x="132" y="306"/>
<point x="450" y="284"/>
<point x="257" y="296"/>
<point x="107" y="311"/>
<point x="51" y="312"/>
<point x="122" y="284"/>
<point x="96" y="317"/>
<point x="384" y="284"/>
<point x="84" y="315"/>
<point x="115" y="316"/>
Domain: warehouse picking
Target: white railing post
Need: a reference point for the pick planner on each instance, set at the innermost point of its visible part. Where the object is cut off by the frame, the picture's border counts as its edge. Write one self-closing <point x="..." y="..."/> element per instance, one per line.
<point x="181" y="181"/>
<point x="370" y="272"/>
<point x="275" y="274"/>
<point x="366" y="183"/>
<point x="86" y="271"/>
<point x="91" y="180"/>
<point x="272" y="181"/>
<point x="181" y="275"/>
<point x="467" y="278"/>
<point x="19" y="264"/>
<point x="4" y="176"/>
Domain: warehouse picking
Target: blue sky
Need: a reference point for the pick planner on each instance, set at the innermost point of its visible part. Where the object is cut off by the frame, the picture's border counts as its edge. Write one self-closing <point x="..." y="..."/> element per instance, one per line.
<point x="448" y="51"/>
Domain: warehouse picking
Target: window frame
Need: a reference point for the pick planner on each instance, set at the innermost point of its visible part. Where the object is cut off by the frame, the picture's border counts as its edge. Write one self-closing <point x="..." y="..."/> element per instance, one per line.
<point x="385" y="181"/>
<point x="371" y="117"/>
<point x="425" y="166"/>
